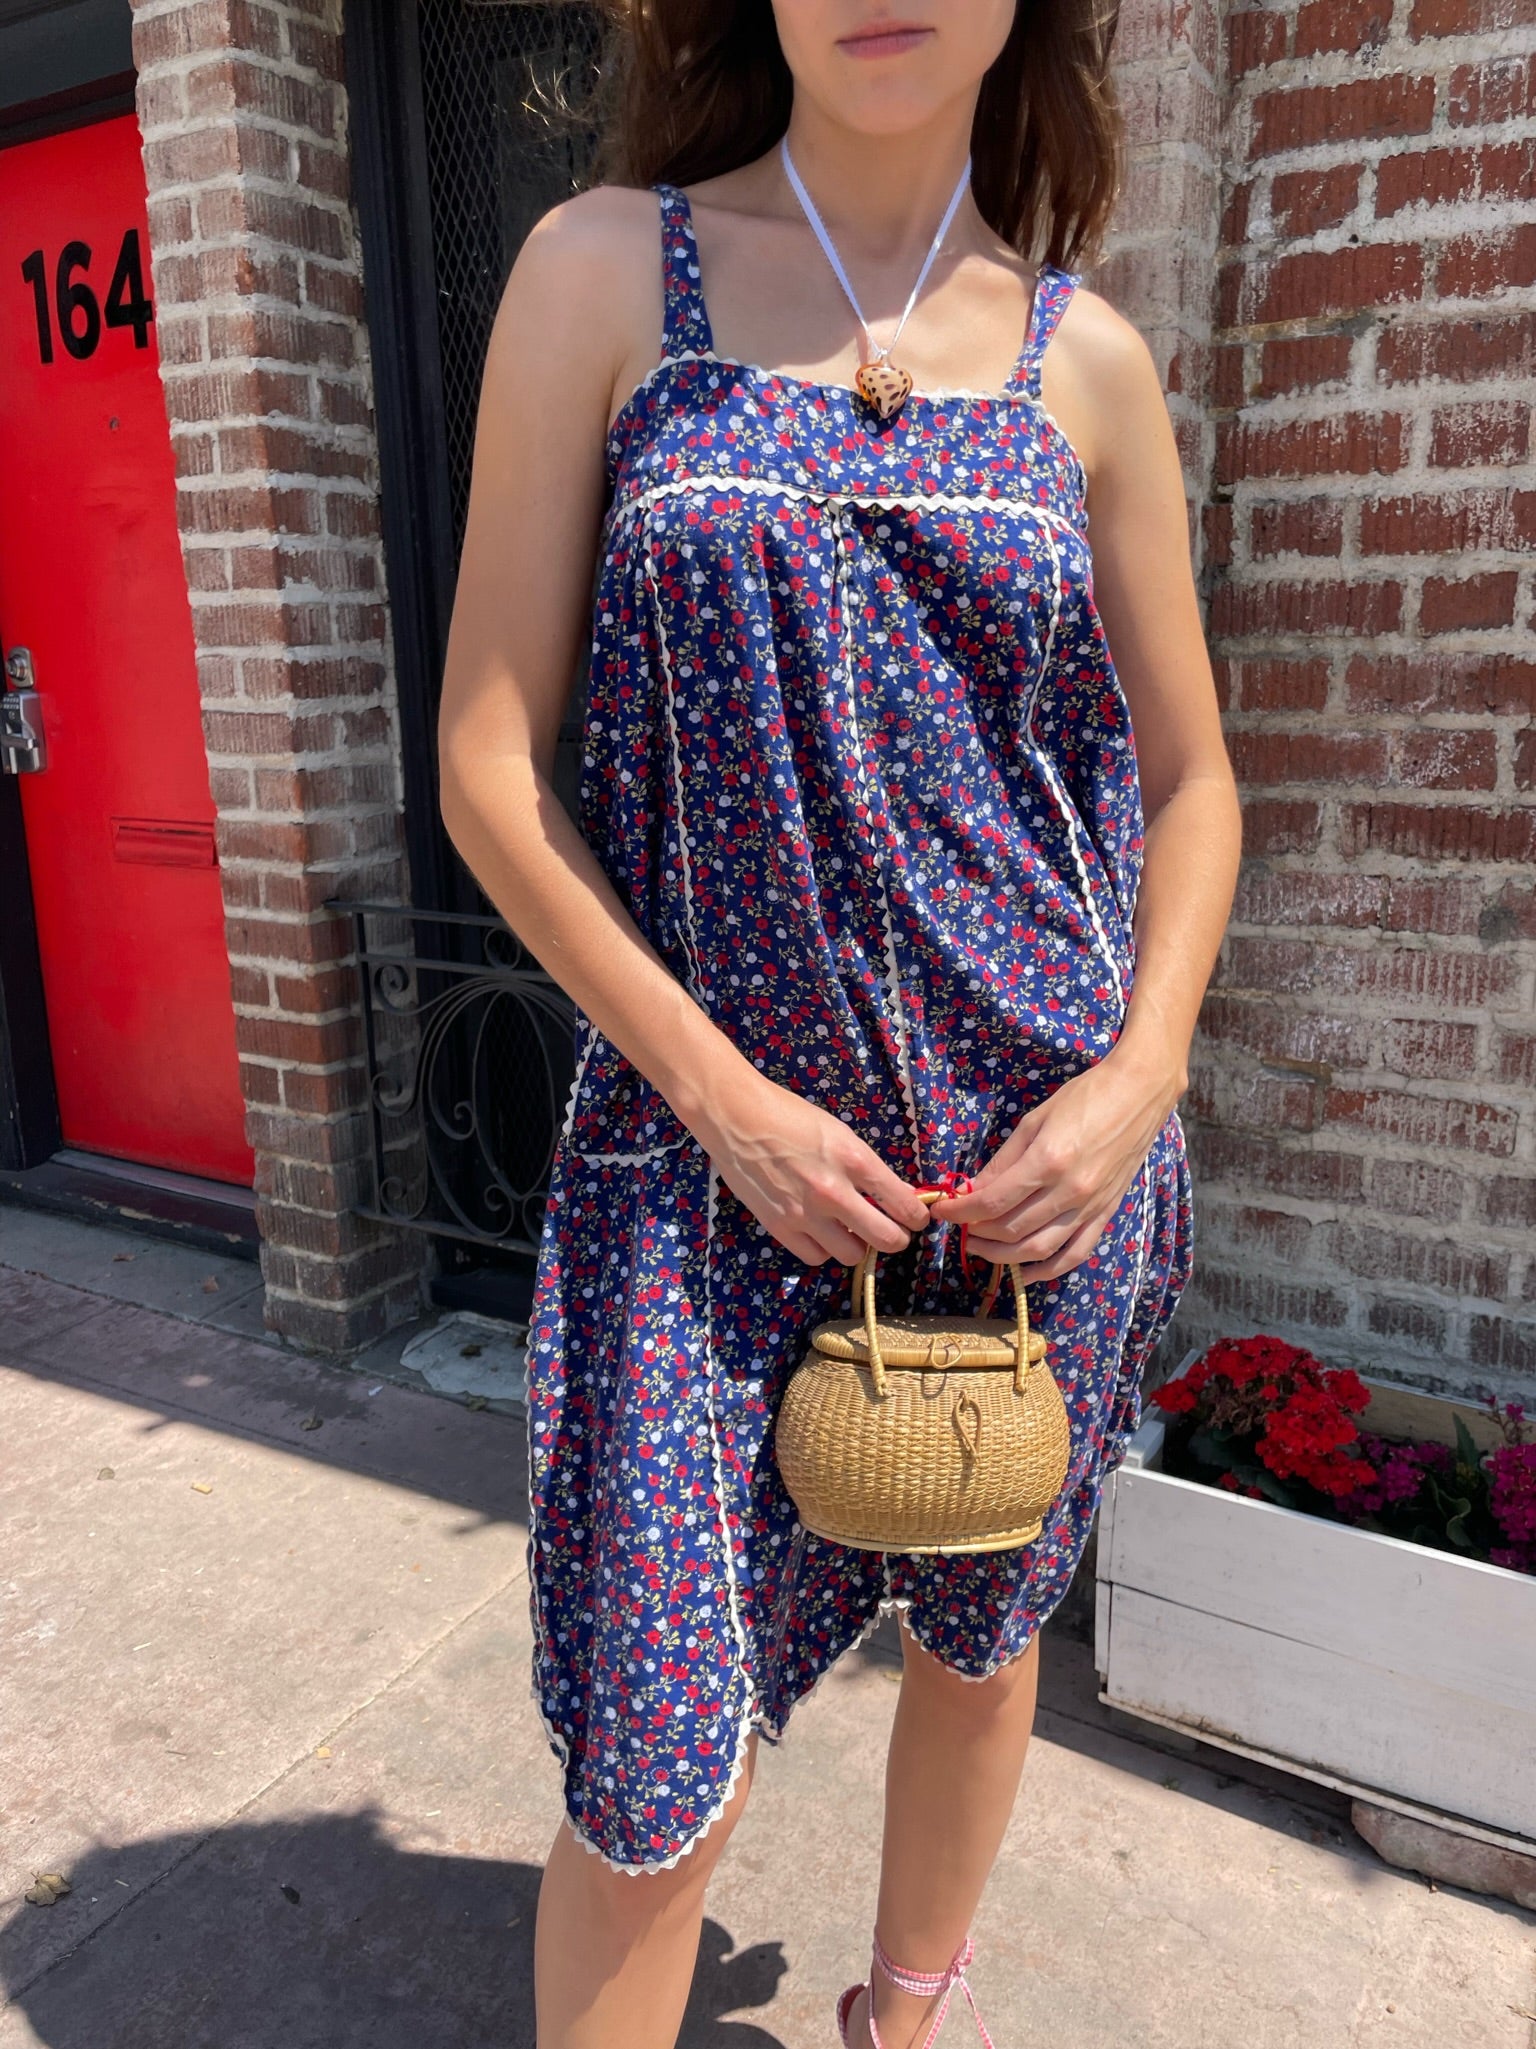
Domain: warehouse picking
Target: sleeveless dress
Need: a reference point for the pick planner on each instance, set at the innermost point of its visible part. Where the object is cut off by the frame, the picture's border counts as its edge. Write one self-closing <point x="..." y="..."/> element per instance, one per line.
<point x="856" y="758"/>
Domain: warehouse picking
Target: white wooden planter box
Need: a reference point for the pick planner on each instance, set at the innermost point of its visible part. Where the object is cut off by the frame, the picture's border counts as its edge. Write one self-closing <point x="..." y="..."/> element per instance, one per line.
<point x="1402" y="1675"/>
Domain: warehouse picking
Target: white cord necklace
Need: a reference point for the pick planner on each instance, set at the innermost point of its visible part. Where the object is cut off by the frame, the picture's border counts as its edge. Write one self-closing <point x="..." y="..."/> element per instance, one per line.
<point x="886" y="387"/>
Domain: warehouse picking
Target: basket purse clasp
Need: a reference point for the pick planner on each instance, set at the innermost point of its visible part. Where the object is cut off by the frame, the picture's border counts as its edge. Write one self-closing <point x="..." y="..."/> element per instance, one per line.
<point x="945" y="1348"/>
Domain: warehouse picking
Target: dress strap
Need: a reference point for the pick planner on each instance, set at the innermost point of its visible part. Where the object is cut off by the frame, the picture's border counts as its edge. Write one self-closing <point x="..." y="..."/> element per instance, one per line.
<point x="685" y="322"/>
<point x="1053" y="289"/>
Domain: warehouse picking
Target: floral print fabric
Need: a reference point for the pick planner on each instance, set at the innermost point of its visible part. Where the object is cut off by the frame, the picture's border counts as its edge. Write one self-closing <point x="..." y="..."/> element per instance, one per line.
<point x="857" y="760"/>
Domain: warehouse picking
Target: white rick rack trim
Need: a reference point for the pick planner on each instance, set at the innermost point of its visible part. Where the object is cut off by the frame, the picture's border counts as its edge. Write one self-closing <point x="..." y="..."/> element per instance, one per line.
<point x="887" y="1604"/>
<point x="568" y="1121"/>
<point x="887" y="921"/>
<point x="738" y="1627"/>
<point x="1146" y="1227"/>
<point x="1116" y="1396"/>
<point x="901" y="1606"/>
<point x="647" y="495"/>
<point x="754" y="1723"/>
<point x="751" y="1713"/>
<point x="949" y="395"/>
<point x="674" y="755"/>
<point x="1064" y="804"/>
<point x="650" y="1865"/>
<point x="655" y="1152"/>
<point x="556" y="1741"/>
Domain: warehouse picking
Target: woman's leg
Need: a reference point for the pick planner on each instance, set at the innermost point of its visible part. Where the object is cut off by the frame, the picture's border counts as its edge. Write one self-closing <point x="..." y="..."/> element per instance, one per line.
<point x="613" y="1952"/>
<point x="957" y="1750"/>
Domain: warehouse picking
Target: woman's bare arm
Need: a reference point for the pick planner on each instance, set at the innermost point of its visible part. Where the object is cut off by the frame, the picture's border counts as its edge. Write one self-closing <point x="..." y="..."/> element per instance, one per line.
<point x="1049" y="1191"/>
<point x="584" y="291"/>
<point x="520" y="615"/>
<point x="1144" y="591"/>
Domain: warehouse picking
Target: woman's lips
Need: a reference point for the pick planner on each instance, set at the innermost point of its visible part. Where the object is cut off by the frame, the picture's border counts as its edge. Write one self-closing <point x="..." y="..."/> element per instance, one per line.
<point x="885" y="42"/>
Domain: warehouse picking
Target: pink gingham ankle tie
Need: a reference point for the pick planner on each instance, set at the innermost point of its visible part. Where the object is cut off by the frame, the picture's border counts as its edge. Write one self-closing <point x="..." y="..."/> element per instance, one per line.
<point x="925" y="1985"/>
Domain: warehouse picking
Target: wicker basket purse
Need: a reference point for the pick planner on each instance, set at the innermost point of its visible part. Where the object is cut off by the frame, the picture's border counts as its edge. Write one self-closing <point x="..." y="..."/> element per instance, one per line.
<point x="931" y="1434"/>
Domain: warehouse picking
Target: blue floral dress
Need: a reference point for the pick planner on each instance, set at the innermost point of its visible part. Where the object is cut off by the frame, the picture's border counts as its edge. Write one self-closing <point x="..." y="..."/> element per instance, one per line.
<point x="857" y="760"/>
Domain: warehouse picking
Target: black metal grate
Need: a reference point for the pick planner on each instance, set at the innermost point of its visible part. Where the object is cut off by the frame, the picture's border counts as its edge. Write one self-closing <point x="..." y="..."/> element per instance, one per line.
<point x="469" y="1043"/>
<point x="469" y="1051"/>
<point x="494" y="75"/>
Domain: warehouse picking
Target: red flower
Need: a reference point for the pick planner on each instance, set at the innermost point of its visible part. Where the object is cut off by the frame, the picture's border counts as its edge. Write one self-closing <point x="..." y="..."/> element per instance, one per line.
<point x="1176" y="1398"/>
<point x="1348" y="1389"/>
<point x="1297" y="1413"/>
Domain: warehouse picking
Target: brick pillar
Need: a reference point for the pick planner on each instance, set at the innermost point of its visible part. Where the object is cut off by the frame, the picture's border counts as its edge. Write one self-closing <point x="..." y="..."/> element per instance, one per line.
<point x="1160" y="255"/>
<point x="264" y="358"/>
<point x="1364" y="1100"/>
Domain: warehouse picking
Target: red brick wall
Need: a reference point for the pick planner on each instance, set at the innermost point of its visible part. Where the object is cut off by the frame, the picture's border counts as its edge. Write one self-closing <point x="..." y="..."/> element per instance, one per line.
<point x="1363" y="1104"/>
<point x="1160" y="259"/>
<point x="265" y="364"/>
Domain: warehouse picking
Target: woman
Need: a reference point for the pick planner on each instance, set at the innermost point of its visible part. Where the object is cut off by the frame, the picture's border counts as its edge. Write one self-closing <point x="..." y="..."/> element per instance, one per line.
<point x="858" y="897"/>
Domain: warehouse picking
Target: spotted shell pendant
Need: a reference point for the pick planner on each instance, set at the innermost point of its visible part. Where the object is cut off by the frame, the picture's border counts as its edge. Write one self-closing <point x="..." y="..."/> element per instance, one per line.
<point x="883" y="386"/>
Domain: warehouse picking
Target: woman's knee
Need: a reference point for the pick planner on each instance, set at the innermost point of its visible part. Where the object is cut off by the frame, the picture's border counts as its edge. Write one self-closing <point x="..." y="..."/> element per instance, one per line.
<point x="636" y="1899"/>
<point x="959" y="1697"/>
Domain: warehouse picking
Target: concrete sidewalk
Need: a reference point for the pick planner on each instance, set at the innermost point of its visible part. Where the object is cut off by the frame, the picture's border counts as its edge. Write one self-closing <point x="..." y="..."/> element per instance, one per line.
<point x="265" y="1701"/>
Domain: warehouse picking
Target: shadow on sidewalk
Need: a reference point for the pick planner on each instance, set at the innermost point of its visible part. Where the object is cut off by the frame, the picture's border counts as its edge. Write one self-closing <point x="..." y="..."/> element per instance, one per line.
<point x="176" y="1372"/>
<point x="321" y="1934"/>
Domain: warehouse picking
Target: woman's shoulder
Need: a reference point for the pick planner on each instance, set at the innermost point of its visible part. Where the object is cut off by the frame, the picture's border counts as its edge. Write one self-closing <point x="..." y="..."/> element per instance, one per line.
<point x="1105" y="376"/>
<point x="598" y="239"/>
<point x="1100" y="336"/>
<point x="581" y="303"/>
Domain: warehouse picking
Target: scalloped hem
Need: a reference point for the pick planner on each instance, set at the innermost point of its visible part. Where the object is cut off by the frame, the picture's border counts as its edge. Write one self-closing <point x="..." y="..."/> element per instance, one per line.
<point x="904" y="1616"/>
<point x="757" y="1723"/>
<point x="650" y="1866"/>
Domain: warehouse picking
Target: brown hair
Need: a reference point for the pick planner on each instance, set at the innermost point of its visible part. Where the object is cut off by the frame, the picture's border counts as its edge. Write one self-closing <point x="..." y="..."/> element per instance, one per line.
<point x="698" y="87"/>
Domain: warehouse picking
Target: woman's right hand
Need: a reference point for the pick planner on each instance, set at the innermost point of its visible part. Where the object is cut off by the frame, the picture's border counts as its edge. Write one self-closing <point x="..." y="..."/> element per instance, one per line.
<point x="809" y="1179"/>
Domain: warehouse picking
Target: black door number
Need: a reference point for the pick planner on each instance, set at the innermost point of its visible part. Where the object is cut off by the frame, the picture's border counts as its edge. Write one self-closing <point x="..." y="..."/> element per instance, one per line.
<point x="75" y="306"/>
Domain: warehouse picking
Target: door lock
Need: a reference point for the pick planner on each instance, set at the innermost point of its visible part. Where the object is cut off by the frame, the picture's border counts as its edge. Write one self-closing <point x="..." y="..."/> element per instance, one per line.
<point x="23" y="750"/>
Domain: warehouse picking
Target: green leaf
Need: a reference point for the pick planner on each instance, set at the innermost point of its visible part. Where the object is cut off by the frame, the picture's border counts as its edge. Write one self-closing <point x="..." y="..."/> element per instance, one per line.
<point x="1211" y="1448"/>
<point x="1467" y="1453"/>
<point x="1273" y="1488"/>
<point x="1448" y="1504"/>
<point x="1248" y="1473"/>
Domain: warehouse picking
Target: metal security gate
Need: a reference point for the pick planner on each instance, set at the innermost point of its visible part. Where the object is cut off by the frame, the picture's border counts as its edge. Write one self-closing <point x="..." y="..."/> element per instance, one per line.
<point x="496" y="79"/>
<point x="466" y="128"/>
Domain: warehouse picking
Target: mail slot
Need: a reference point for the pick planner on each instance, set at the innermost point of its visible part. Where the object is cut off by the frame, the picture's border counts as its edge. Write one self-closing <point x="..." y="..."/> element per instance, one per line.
<point x="164" y="843"/>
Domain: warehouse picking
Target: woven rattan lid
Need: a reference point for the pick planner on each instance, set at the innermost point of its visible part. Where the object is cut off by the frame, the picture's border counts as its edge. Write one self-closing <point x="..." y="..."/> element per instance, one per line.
<point x="934" y="1342"/>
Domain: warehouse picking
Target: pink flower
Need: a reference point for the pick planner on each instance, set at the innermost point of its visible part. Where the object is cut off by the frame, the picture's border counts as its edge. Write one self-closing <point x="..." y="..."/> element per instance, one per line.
<point x="1512" y="1474"/>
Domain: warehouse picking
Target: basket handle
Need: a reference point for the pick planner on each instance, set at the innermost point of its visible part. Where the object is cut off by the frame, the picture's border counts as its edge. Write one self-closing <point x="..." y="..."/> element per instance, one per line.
<point x="864" y="1287"/>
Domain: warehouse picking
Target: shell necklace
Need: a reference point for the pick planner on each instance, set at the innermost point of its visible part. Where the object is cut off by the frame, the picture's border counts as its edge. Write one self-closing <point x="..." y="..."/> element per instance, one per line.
<point x="879" y="381"/>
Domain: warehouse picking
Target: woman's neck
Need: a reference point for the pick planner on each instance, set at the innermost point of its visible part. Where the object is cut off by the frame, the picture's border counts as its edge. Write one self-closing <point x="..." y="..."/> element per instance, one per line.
<point x="881" y="196"/>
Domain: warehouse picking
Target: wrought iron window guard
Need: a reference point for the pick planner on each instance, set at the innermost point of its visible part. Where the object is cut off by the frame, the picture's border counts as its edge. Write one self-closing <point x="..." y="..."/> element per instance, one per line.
<point x="470" y="1052"/>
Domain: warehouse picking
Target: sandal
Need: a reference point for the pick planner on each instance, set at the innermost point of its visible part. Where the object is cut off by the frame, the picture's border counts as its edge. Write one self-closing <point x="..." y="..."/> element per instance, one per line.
<point x="921" y="1984"/>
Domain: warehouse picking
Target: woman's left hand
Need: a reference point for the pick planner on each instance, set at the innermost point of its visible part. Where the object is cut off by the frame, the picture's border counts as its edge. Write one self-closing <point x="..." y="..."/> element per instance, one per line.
<point x="1046" y="1196"/>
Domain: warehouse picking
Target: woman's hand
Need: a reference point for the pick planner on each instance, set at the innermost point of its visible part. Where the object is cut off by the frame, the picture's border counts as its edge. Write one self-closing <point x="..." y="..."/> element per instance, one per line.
<point x="1046" y="1196"/>
<point x="809" y="1180"/>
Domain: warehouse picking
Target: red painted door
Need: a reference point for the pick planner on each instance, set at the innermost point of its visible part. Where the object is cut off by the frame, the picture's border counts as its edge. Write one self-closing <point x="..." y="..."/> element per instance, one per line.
<point x="119" y="823"/>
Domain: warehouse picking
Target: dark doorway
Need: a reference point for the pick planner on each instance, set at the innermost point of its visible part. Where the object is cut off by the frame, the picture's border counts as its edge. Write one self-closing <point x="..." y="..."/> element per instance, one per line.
<point x="467" y="127"/>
